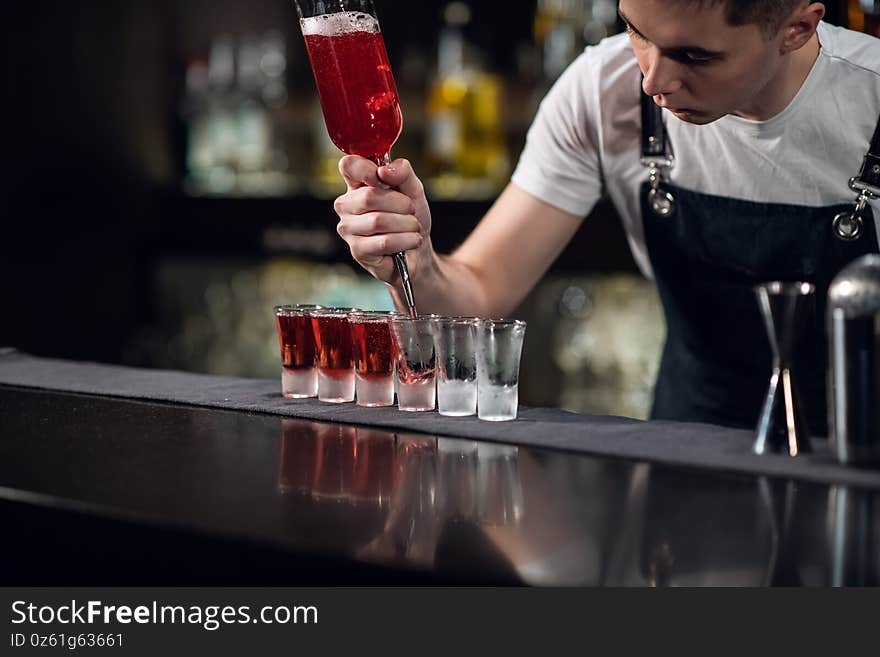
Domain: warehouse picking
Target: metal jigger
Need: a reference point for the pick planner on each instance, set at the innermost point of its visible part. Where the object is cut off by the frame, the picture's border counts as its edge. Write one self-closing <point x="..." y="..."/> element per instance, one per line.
<point x="782" y="428"/>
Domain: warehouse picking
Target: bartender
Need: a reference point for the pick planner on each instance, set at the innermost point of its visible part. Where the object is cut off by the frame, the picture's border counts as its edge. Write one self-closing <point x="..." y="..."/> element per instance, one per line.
<point x="726" y="133"/>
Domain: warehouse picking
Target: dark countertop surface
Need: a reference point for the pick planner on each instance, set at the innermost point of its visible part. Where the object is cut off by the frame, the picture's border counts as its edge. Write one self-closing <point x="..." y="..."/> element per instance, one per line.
<point x="100" y="491"/>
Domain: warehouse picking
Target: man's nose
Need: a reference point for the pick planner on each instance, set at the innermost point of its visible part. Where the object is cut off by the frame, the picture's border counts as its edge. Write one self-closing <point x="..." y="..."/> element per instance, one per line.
<point x="661" y="76"/>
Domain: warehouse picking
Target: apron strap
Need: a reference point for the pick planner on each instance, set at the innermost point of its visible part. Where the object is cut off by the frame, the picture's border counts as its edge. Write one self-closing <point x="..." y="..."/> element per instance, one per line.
<point x="655" y="144"/>
<point x="849" y="225"/>
<point x="656" y="155"/>
<point x="869" y="176"/>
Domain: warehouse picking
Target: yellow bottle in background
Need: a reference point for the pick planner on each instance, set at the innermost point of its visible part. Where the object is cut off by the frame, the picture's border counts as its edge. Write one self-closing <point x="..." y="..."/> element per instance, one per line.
<point x="466" y="151"/>
<point x="484" y="153"/>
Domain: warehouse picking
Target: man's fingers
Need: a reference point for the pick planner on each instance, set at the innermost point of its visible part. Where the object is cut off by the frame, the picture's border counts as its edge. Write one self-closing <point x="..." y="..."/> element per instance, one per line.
<point x="368" y="249"/>
<point x="373" y="199"/>
<point x="359" y="172"/>
<point x="378" y="223"/>
<point x="400" y="175"/>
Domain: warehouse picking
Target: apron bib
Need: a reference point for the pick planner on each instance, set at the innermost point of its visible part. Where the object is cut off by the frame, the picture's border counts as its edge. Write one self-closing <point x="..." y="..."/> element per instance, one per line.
<point x="707" y="255"/>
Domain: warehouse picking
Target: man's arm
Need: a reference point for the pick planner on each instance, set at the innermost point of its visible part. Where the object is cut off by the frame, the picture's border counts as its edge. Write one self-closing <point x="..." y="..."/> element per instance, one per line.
<point x="507" y="254"/>
<point x="488" y="276"/>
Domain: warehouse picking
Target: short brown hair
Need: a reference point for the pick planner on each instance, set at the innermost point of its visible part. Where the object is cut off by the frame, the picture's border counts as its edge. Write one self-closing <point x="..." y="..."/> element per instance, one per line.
<point x="767" y="14"/>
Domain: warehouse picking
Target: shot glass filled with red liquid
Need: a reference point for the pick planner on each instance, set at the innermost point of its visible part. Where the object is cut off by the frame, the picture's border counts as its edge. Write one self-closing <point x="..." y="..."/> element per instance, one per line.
<point x="355" y="84"/>
<point x="335" y="354"/>
<point x="373" y="358"/>
<point x="299" y="378"/>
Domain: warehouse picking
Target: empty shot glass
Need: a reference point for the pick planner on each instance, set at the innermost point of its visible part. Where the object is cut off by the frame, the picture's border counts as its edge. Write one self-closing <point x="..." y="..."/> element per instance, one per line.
<point x="299" y="376"/>
<point x="335" y="354"/>
<point x="373" y="357"/>
<point x="499" y="347"/>
<point x="455" y="343"/>
<point x="414" y="356"/>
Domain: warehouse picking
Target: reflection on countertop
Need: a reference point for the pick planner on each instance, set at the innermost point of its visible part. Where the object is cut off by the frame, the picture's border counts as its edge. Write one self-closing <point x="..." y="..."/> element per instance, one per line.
<point x="168" y="486"/>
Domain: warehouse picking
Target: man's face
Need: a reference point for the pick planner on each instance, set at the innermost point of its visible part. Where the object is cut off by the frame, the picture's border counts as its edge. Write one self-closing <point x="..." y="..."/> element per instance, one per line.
<point x="694" y="62"/>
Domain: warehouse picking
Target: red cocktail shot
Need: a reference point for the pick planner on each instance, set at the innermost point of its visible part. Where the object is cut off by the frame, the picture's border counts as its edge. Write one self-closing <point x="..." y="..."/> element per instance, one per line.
<point x="355" y="84"/>
<point x="335" y="355"/>
<point x="373" y="358"/>
<point x="296" y="338"/>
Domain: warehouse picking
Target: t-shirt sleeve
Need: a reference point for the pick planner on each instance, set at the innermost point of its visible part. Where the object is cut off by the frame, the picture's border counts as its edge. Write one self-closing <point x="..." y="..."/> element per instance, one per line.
<point x="560" y="163"/>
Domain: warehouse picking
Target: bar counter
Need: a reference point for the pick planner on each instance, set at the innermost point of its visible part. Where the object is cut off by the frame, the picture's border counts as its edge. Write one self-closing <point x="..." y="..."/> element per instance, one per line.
<point x="96" y="490"/>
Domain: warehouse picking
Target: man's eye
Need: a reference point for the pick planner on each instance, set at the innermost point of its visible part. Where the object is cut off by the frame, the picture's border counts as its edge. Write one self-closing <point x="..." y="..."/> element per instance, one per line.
<point x="692" y="59"/>
<point x="634" y="34"/>
<point x="699" y="60"/>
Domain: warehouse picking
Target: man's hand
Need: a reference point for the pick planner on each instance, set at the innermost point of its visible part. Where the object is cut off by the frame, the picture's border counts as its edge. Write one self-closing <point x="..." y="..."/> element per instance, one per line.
<point x="383" y="212"/>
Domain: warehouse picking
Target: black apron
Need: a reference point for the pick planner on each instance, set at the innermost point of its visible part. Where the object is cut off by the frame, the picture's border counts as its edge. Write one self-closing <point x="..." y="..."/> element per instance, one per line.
<point x="707" y="254"/>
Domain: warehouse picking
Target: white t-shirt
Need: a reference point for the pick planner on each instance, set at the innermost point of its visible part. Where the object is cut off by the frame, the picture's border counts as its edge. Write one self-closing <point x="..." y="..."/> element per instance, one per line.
<point x="586" y="138"/>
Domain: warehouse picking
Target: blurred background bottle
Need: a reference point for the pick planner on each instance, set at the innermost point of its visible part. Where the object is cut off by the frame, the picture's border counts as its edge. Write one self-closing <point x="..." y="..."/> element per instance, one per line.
<point x="233" y="110"/>
<point x="465" y="149"/>
<point x="563" y="28"/>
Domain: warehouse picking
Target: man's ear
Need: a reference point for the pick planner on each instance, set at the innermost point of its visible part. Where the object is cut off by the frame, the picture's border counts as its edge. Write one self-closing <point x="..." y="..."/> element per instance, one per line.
<point x="801" y="26"/>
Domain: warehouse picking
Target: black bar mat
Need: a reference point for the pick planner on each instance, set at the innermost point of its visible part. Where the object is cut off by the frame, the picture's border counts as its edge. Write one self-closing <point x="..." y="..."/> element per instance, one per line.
<point x="673" y="443"/>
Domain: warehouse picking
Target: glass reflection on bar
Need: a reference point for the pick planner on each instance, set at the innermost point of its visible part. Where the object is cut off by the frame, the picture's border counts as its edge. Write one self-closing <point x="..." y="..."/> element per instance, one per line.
<point x="420" y="500"/>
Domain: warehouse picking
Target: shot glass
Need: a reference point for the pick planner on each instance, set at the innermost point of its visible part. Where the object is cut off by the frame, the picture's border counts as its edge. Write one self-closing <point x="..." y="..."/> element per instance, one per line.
<point x="499" y="347"/>
<point x="414" y="355"/>
<point x="455" y="343"/>
<point x="299" y="376"/>
<point x="335" y="354"/>
<point x="373" y="358"/>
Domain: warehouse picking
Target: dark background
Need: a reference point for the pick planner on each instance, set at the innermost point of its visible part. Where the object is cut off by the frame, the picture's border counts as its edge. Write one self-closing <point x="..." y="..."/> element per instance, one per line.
<point x="94" y="158"/>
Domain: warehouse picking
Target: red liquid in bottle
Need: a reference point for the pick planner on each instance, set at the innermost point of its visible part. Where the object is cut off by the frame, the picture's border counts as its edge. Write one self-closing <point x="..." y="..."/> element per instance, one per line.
<point x="333" y="338"/>
<point x="373" y="356"/>
<point x="355" y="84"/>
<point x="297" y="341"/>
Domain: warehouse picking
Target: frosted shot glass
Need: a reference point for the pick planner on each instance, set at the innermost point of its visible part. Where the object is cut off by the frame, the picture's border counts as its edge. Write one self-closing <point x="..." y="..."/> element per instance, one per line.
<point x="299" y="375"/>
<point x="415" y="360"/>
<point x="335" y="354"/>
<point x="499" y="348"/>
<point x="455" y="344"/>
<point x="373" y="357"/>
